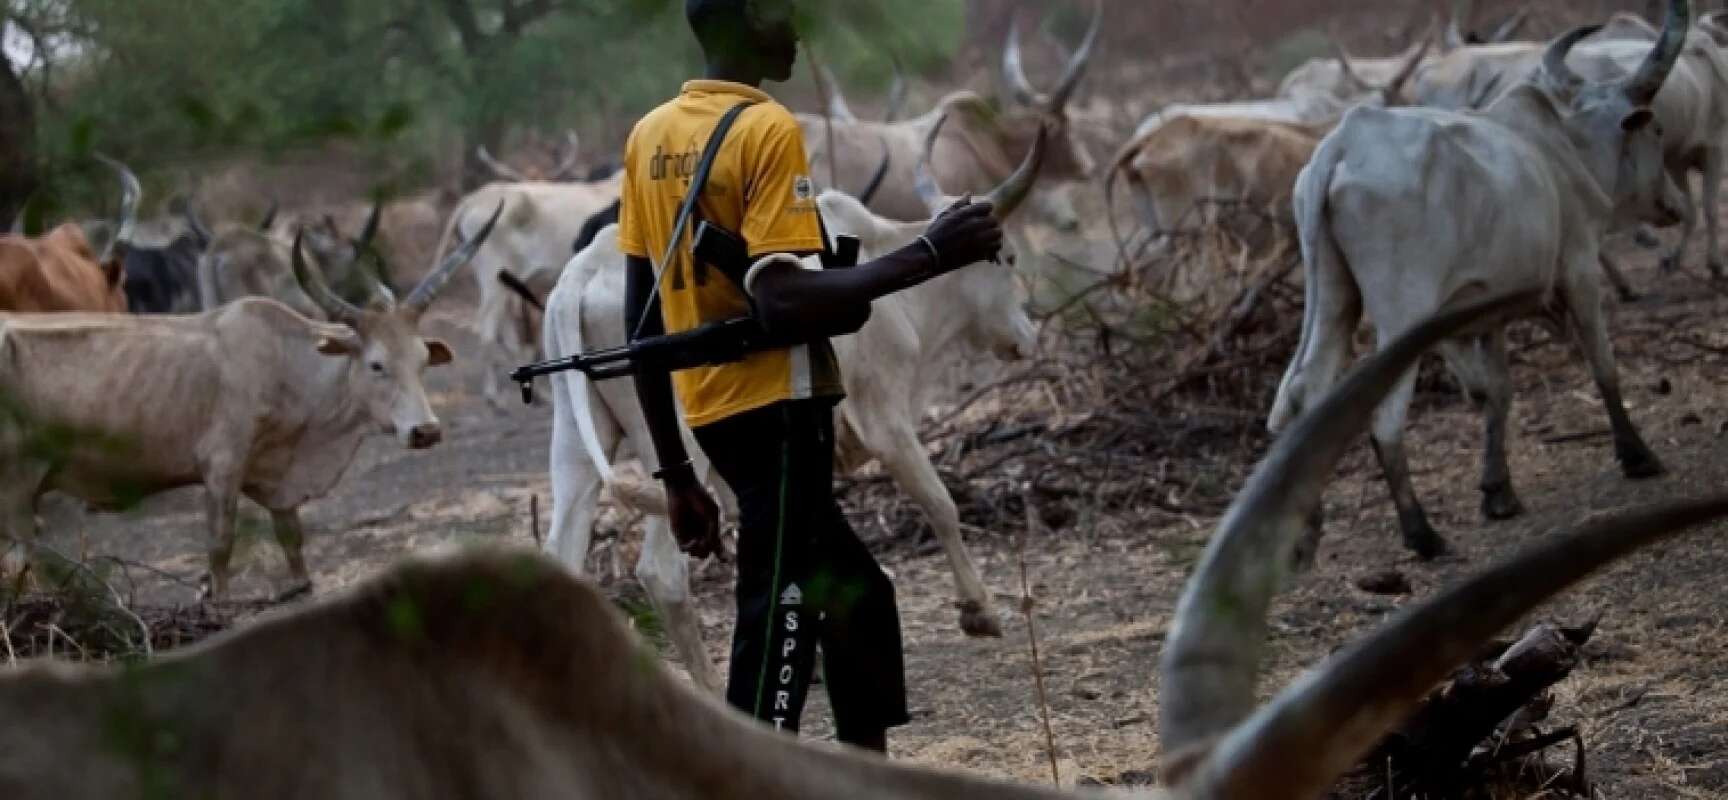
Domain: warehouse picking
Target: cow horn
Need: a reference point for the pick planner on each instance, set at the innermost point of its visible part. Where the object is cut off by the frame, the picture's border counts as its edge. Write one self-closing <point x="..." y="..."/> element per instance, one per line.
<point x="130" y="192"/>
<point x="876" y="178"/>
<point x="925" y="183"/>
<point x="1554" y="60"/>
<point x="1211" y="657"/>
<point x="498" y="168"/>
<point x="1078" y="64"/>
<point x="1642" y="87"/>
<point x="566" y="169"/>
<point x="193" y="221"/>
<point x="1461" y="13"/>
<point x="1014" y="70"/>
<point x="1013" y="191"/>
<point x="896" y="93"/>
<point x="269" y="220"/>
<point x="1346" y="67"/>
<point x="1510" y="27"/>
<point x="311" y="280"/>
<point x="422" y="296"/>
<point x="370" y="232"/>
<point x="1394" y="89"/>
<point x="837" y="106"/>
<point x="17" y="228"/>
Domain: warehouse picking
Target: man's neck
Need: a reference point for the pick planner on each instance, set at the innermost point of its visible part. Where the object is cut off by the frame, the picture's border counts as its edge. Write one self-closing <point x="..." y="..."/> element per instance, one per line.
<point x="733" y="73"/>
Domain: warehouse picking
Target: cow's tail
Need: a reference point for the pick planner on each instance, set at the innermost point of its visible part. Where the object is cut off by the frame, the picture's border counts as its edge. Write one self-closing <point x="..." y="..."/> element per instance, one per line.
<point x="572" y="392"/>
<point x="1320" y="255"/>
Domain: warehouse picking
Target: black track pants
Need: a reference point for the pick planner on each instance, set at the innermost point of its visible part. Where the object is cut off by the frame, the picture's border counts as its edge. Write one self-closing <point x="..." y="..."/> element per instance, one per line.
<point x="803" y="576"/>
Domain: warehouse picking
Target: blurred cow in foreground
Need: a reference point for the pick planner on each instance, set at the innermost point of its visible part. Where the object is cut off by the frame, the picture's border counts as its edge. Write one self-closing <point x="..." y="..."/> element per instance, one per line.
<point x="247" y="399"/>
<point x="888" y="368"/>
<point x="498" y="674"/>
<point x="60" y="271"/>
<point x="1404" y="212"/>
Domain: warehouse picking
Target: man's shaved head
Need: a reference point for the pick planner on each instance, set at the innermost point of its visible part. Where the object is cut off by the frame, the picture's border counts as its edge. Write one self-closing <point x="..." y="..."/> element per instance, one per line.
<point x="735" y="33"/>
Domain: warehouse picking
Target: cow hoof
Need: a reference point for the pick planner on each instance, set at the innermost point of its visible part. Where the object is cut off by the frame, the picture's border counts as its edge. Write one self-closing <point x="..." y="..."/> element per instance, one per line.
<point x="1646" y="239"/>
<point x="1639" y="463"/>
<point x="1501" y="502"/>
<point x="978" y="622"/>
<point x="1424" y="542"/>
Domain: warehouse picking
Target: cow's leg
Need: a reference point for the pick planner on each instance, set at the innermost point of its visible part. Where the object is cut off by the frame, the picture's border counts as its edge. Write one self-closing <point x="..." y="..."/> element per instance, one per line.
<point x="221" y="505"/>
<point x="1711" y="166"/>
<point x="1584" y="302"/>
<point x="292" y="538"/>
<point x="576" y="480"/>
<point x="1388" y="440"/>
<point x="1622" y="286"/>
<point x="1688" y="220"/>
<point x="1488" y="378"/>
<point x="904" y="458"/>
<point x="665" y="574"/>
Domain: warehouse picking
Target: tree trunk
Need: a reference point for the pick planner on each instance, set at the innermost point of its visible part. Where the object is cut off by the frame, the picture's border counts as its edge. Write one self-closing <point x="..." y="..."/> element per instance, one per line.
<point x="18" y="167"/>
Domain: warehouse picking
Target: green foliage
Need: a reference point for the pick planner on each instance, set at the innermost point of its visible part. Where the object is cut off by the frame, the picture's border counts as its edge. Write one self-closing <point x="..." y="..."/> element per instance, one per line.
<point x="164" y="82"/>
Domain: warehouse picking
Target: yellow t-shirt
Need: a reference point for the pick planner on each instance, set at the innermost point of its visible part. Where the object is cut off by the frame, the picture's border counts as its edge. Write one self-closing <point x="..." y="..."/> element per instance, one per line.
<point x="760" y="189"/>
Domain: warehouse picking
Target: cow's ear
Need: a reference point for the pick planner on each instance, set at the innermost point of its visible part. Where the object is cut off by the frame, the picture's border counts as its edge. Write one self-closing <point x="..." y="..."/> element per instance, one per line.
<point x="438" y="353"/>
<point x="338" y="345"/>
<point x="1636" y="120"/>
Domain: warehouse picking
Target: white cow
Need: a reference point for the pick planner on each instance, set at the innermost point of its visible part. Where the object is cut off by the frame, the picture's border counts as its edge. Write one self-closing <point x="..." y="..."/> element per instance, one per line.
<point x="1406" y="211"/>
<point x="540" y="221"/>
<point x="497" y="674"/>
<point x="889" y="367"/>
<point x="247" y="399"/>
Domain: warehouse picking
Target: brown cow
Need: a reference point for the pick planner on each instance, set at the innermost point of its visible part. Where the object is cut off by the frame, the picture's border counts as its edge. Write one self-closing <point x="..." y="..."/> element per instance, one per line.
<point x="498" y="674"/>
<point x="60" y="271"/>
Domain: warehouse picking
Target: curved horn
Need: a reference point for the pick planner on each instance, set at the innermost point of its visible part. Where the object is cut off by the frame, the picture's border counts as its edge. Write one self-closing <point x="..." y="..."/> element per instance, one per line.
<point x="837" y="107"/>
<point x="1510" y="27"/>
<point x="1078" y="64"/>
<point x="1211" y="657"/>
<point x="17" y="228"/>
<point x="130" y="192"/>
<point x="896" y="92"/>
<point x="928" y="190"/>
<point x="422" y="296"/>
<point x="566" y="169"/>
<point x="370" y="232"/>
<point x="1014" y="70"/>
<point x="1013" y="191"/>
<point x="1642" y="87"/>
<point x="269" y="220"/>
<point x="311" y="280"/>
<point x="1554" y="60"/>
<point x="1461" y="13"/>
<point x="498" y="168"/>
<point x="520" y="289"/>
<point x="193" y="221"/>
<point x="1394" y="89"/>
<point x="1346" y="67"/>
<point x="877" y="177"/>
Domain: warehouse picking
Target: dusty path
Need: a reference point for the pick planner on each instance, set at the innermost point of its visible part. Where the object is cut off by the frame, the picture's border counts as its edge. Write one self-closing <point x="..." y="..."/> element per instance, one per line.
<point x="1652" y="700"/>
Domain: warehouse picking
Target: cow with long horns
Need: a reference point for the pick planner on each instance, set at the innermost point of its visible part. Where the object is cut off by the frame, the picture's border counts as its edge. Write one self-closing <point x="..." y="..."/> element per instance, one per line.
<point x="1404" y="212"/>
<point x="384" y="688"/>
<point x="979" y="145"/>
<point x="61" y="271"/>
<point x="244" y="261"/>
<point x="249" y="399"/>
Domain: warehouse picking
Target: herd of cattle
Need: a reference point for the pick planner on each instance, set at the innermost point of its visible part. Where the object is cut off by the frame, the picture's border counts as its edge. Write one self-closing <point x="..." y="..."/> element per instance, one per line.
<point x="1441" y="191"/>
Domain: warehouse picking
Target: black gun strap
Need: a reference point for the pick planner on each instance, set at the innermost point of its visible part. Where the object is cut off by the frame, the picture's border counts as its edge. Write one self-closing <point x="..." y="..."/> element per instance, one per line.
<point x="697" y="183"/>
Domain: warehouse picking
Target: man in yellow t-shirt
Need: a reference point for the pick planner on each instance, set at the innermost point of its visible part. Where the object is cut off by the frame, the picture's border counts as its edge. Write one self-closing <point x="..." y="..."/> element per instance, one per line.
<point x="766" y="421"/>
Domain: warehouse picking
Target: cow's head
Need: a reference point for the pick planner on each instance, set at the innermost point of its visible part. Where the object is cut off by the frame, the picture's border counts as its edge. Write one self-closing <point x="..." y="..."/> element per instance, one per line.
<point x="1033" y="114"/>
<point x="384" y="348"/>
<point x="1612" y="124"/>
<point x="993" y="295"/>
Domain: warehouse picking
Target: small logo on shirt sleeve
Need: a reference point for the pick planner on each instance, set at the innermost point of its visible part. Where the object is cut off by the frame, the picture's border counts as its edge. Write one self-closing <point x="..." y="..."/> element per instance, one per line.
<point x="803" y="188"/>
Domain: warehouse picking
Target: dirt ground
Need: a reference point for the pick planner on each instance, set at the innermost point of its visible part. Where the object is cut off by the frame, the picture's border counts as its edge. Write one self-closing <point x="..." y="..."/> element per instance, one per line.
<point x="1651" y="699"/>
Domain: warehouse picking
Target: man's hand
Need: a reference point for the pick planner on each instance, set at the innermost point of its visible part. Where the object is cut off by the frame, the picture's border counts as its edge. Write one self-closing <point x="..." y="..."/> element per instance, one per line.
<point x="966" y="233"/>
<point x="695" y="516"/>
